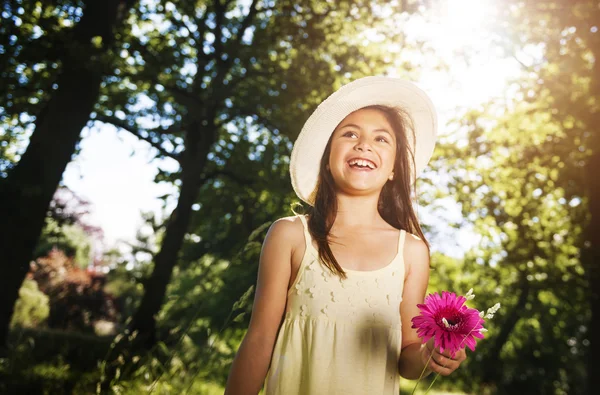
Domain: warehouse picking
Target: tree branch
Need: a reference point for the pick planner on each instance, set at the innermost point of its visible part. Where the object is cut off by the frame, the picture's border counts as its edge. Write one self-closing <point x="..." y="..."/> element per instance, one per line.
<point x="237" y="41"/>
<point x="248" y="19"/>
<point x="266" y="9"/>
<point x="218" y="43"/>
<point x="137" y="133"/>
<point x="251" y="73"/>
<point x="242" y="112"/>
<point x="228" y="174"/>
<point x="224" y="66"/>
<point x="202" y="58"/>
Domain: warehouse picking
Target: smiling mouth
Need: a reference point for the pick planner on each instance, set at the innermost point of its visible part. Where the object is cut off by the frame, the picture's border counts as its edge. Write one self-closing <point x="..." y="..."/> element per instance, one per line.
<point x="361" y="164"/>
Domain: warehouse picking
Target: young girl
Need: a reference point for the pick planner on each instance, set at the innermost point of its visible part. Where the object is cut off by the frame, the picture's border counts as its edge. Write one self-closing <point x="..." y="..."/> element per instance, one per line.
<point x="337" y="288"/>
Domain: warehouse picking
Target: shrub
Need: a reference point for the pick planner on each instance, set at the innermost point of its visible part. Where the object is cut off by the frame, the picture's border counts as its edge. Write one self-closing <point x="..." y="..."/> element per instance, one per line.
<point x="32" y="307"/>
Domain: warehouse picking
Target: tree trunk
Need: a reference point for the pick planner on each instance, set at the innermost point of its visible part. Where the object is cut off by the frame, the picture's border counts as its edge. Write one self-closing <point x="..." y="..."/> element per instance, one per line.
<point x="493" y="365"/>
<point x="198" y="144"/>
<point x="199" y="140"/>
<point x="28" y="189"/>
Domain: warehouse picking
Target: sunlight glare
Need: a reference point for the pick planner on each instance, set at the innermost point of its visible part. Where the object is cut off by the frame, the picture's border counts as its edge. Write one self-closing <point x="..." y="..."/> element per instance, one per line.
<point x="466" y="14"/>
<point x="460" y="32"/>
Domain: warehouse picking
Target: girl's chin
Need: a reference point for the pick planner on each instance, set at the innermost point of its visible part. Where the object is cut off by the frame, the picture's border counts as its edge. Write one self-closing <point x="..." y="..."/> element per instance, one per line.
<point x="362" y="181"/>
<point x="363" y="187"/>
<point x="364" y="178"/>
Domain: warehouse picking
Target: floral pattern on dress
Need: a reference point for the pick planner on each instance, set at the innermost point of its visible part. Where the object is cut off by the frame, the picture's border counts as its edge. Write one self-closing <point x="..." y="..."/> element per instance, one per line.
<point x="362" y="298"/>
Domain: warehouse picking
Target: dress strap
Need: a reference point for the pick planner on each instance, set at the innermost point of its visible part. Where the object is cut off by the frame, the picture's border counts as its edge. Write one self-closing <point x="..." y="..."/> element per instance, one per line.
<point x="307" y="237"/>
<point x="308" y="255"/>
<point x="401" y="241"/>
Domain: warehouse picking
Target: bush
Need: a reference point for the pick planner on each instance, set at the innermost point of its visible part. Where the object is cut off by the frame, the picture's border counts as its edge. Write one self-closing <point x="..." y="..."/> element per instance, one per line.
<point x="32" y="307"/>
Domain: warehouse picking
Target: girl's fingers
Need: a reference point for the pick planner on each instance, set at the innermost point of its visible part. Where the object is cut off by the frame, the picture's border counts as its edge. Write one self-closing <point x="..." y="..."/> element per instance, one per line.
<point x="460" y="355"/>
<point x="446" y="362"/>
<point x="443" y="363"/>
<point x="437" y="368"/>
<point x="446" y="356"/>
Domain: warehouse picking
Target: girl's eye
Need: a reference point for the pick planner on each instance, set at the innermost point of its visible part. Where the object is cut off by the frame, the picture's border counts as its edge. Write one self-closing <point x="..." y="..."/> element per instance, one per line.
<point x="349" y="134"/>
<point x="381" y="139"/>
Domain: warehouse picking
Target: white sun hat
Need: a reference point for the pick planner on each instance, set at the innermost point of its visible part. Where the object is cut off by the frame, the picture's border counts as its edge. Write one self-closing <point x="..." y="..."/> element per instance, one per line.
<point x="368" y="91"/>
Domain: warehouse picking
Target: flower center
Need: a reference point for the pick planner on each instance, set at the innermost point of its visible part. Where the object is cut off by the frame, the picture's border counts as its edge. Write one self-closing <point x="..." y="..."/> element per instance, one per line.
<point x="449" y="320"/>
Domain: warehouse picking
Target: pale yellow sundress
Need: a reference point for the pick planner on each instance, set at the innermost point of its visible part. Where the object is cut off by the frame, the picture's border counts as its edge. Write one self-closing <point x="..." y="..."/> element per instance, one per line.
<point x="339" y="336"/>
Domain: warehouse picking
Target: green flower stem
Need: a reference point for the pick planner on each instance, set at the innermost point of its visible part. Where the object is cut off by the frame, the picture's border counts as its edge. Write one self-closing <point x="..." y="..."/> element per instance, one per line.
<point x="433" y="381"/>
<point x="423" y="371"/>
<point x="437" y="374"/>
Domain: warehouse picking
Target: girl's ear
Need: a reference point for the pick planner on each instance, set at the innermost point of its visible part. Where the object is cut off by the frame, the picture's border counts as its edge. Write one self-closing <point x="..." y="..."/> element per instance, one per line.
<point x="391" y="177"/>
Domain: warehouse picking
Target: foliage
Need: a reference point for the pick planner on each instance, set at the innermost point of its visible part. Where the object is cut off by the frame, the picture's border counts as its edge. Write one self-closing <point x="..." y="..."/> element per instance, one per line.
<point x="74" y="295"/>
<point x="50" y="361"/>
<point x="189" y="69"/>
<point x="29" y="51"/>
<point x="529" y="227"/>
<point x="125" y="287"/>
<point x="517" y="167"/>
<point x="221" y="86"/>
<point x="32" y="307"/>
<point x="77" y="298"/>
<point x="210" y="303"/>
<point x="68" y="227"/>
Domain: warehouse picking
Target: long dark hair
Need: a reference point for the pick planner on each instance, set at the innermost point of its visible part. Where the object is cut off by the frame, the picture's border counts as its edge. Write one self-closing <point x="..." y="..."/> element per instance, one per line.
<point x="394" y="205"/>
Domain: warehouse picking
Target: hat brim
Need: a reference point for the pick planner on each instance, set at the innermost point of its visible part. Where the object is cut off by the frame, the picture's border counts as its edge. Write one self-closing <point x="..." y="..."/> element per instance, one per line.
<point x="310" y="144"/>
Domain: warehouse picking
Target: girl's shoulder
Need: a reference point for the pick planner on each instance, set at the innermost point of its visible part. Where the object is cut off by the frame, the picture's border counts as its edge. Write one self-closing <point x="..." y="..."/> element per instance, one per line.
<point x="416" y="252"/>
<point x="289" y="230"/>
<point x="415" y="244"/>
<point x="293" y="223"/>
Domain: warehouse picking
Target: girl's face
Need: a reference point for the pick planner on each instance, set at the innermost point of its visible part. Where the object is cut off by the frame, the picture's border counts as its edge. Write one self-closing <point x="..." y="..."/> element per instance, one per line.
<point x="363" y="152"/>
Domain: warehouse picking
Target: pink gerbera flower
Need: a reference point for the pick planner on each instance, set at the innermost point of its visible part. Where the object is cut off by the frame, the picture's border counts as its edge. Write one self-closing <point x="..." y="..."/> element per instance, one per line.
<point x="452" y="324"/>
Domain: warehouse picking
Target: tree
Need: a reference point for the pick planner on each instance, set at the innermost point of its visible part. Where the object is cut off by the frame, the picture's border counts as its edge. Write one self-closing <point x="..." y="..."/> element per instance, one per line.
<point x="215" y="71"/>
<point x="79" y="55"/>
<point x="67" y="227"/>
<point x="526" y="180"/>
<point x="565" y="83"/>
<point x="505" y="178"/>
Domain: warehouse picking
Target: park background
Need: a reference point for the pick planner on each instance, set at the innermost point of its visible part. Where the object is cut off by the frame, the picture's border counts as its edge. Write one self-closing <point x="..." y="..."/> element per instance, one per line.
<point x="144" y="151"/>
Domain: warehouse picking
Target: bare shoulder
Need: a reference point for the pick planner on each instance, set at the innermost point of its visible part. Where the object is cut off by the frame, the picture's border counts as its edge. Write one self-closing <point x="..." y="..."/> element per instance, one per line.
<point x="416" y="253"/>
<point x="287" y="230"/>
<point x="274" y="273"/>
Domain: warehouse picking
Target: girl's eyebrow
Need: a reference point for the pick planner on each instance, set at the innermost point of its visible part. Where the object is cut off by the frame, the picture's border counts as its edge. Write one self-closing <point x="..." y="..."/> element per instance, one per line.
<point x="358" y="127"/>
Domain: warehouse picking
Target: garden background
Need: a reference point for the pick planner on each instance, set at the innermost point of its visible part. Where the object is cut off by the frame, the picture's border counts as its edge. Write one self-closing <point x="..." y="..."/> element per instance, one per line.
<point x="144" y="151"/>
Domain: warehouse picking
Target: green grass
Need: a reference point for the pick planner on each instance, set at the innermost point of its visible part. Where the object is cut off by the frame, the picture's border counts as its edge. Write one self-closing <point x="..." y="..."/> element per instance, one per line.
<point x="57" y="362"/>
<point x="406" y="388"/>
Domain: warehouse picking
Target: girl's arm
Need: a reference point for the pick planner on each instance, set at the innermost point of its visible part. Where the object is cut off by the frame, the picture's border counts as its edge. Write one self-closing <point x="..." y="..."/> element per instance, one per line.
<point x="413" y="356"/>
<point x="252" y="361"/>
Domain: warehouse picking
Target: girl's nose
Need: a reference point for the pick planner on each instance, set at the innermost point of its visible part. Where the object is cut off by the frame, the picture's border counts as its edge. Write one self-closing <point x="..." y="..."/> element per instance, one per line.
<point x="362" y="146"/>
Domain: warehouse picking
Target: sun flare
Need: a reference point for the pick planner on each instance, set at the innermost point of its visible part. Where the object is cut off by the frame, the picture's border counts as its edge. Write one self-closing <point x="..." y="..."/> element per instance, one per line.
<point x="466" y="14"/>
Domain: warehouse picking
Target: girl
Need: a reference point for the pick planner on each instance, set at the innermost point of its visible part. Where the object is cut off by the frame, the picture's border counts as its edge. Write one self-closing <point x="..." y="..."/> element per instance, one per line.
<point x="337" y="288"/>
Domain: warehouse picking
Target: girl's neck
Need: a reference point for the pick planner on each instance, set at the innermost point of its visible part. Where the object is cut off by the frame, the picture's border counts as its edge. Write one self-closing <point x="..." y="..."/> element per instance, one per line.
<point x="357" y="211"/>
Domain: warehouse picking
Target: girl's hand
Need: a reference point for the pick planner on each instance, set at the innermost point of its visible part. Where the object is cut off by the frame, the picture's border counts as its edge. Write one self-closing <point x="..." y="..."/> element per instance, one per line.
<point x="442" y="363"/>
